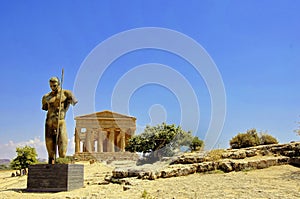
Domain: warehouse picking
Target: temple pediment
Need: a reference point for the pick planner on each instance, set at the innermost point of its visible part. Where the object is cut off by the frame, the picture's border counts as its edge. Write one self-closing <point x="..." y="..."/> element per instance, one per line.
<point x="104" y="115"/>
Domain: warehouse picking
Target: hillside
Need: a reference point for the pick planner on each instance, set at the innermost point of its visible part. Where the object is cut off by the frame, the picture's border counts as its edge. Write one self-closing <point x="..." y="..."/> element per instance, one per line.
<point x="4" y="161"/>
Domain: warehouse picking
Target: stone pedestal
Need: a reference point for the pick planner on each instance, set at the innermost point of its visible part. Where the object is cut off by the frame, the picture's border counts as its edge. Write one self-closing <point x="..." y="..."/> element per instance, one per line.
<point x="54" y="177"/>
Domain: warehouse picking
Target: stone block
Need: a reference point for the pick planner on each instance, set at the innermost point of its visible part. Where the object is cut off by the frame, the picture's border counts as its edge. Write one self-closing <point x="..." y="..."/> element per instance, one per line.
<point x="241" y="154"/>
<point x="55" y="177"/>
<point x="295" y="161"/>
<point x="225" y="166"/>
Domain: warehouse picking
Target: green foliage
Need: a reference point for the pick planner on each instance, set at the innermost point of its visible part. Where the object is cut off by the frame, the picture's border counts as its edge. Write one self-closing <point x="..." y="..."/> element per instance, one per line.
<point x="267" y="139"/>
<point x="66" y="160"/>
<point x="146" y="195"/>
<point x="251" y="138"/>
<point x="160" y="140"/>
<point x="243" y="140"/>
<point x="196" y="144"/>
<point x="25" y="156"/>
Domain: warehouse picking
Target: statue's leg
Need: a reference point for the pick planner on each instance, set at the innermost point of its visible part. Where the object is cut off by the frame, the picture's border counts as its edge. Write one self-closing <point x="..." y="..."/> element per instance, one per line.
<point x="62" y="139"/>
<point x="50" y="143"/>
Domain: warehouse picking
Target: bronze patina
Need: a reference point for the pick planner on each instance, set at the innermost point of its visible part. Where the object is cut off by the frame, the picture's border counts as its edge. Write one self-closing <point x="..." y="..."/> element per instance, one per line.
<point x="56" y="103"/>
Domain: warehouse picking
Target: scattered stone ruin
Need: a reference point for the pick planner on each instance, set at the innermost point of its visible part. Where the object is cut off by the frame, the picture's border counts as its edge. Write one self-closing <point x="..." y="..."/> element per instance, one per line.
<point x="103" y="136"/>
<point x="259" y="157"/>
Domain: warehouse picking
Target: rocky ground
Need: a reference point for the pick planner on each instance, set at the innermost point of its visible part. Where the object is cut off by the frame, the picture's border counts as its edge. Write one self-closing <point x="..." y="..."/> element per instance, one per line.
<point x="255" y="172"/>
<point x="273" y="182"/>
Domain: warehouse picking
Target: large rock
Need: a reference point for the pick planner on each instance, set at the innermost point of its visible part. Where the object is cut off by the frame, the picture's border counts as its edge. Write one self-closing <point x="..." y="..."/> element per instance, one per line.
<point x="206" y="166"/>
<point x="295" y="161"/>
<point x="225" y="166"/>
<point x="240" y="154"/>
<point x="120" y="173"/>
<point x="189" y="159"/>
<point x="251" y="153"/>
<point x="178" y="170"/>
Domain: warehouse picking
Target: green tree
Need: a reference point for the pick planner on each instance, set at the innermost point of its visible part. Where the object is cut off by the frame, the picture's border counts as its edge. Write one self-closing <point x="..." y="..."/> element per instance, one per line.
<point x="25" y="156"/>
<point x="161" y="140"/>
<point x="196" y="144"/>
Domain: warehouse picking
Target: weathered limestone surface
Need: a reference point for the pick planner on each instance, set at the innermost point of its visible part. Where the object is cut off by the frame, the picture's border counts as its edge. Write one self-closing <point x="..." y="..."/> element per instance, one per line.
<point x="106" y="156"/>
<point x="186" y="169"/>
<point x="232" y="160"/>
<point x="295" y="161"/>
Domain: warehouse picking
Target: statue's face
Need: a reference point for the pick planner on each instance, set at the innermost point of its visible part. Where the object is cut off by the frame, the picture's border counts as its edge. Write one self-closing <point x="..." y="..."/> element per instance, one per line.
<point x="54" y="86"/>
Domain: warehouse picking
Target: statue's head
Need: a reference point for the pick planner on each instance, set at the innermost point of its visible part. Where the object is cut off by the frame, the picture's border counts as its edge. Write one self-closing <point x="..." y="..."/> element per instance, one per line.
<point x="54" y="83"/>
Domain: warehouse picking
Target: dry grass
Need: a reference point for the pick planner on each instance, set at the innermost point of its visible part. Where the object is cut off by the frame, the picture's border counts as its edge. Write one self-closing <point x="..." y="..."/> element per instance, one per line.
<point x="215" y="154"/>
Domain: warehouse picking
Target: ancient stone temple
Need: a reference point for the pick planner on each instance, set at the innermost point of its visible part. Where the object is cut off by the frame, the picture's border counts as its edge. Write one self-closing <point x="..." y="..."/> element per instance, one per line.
<point x="102" y="132"/>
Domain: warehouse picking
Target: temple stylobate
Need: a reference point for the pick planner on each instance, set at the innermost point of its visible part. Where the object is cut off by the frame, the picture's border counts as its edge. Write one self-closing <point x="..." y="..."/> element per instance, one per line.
<point x="104" y="131"/>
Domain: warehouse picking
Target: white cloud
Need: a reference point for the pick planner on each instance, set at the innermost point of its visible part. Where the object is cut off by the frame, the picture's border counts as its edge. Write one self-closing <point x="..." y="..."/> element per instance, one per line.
<point x="8" y="150"/>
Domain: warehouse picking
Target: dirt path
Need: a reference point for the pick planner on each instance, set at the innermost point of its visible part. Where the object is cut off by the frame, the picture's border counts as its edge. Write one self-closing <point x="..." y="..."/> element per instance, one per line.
<point x="274" y="182"/>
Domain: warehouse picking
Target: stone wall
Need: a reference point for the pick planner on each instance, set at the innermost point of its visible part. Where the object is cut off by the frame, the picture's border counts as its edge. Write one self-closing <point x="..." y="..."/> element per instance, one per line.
<point x="105" y="156"/>
<point x="259" y="157"/>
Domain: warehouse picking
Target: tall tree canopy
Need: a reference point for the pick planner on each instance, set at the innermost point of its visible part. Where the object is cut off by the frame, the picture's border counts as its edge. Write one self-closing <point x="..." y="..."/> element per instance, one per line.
<point x="25" y="157"/>
<point x="160" y="140"/>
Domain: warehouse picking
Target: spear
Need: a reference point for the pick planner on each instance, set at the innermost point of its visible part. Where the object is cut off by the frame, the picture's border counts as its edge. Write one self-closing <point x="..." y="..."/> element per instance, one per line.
<point x="59" y="109"/>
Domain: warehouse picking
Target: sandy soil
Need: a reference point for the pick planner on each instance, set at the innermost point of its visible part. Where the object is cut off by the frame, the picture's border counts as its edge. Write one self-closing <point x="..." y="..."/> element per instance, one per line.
<point x="274" y="182"/>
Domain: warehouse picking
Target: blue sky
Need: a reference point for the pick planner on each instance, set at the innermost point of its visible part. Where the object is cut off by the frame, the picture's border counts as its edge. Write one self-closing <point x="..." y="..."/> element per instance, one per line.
<point x="254" y="44"/>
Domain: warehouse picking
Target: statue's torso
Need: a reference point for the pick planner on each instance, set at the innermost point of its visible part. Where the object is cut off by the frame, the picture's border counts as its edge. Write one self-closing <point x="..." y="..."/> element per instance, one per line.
<point x="52" y="102"/>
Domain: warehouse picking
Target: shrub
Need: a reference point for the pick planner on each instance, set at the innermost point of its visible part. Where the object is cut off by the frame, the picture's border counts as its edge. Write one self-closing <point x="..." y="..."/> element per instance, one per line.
<point x="146" y="195"/>
<point x="196" y="144"/>
<point x="243" y="140"/>
<point x="251" y="138"/>
<point x="65" y="160"/>
<point x="267" y="139"/>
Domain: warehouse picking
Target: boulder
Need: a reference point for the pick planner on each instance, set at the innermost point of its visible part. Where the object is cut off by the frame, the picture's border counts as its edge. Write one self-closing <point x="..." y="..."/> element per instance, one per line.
<point x="206" y="166"/>
<point x="240" y="166"/>
<point x="240" y="154"/>
<point x="251" y="153"/>
<point x="120" y="173"/>
<point x="225" y="166"/>
<point x="295" y="161"/>
<point x="226" y="155"/>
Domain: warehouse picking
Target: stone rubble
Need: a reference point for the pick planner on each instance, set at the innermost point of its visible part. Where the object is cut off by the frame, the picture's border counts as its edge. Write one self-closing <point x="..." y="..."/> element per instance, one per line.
<point x="231" y="160"/>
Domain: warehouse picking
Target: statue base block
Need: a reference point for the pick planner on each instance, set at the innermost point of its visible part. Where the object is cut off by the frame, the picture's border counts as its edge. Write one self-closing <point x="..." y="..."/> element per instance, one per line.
<point x="54" y="177"/>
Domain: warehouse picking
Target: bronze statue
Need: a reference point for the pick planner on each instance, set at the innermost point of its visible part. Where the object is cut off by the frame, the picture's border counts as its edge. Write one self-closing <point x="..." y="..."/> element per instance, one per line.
<point x="56" y="103"/>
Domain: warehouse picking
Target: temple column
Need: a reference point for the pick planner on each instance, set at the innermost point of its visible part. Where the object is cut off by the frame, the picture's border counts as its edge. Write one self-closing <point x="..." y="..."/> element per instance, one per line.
<point x="92" y="140"/>
<point x="117" y="140"/>
<point x="83" y="147"/>
<point x="111" y="138"/>
<point x="122" y="147"/>
<point x="77" y="141"/>
<point x="100" y="141"/>
<point x="88" y="141"/>
<point x="105" y="141"/>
